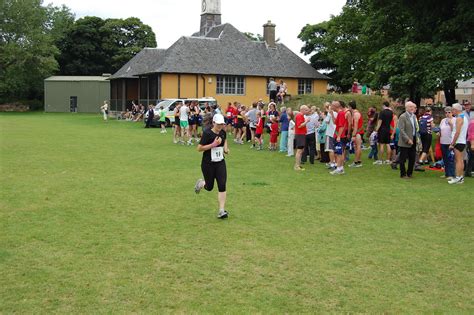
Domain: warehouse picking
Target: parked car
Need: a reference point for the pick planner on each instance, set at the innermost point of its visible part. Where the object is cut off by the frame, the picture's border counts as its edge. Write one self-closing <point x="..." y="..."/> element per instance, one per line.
<point x="170" y="104"/>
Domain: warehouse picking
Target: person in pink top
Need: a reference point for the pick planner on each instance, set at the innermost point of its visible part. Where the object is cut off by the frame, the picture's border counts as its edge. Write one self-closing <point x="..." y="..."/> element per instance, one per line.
<point x="446" y="137"/>
<point x="470" y="139"/>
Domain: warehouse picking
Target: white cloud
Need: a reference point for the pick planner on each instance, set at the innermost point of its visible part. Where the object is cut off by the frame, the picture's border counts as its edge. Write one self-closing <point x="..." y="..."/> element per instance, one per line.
<point x="171" y="19"/>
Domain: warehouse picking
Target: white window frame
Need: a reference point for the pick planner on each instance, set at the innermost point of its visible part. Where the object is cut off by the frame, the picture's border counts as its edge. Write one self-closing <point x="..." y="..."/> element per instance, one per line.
<point x="305" y="84"/>
<point x="230" y="85"/>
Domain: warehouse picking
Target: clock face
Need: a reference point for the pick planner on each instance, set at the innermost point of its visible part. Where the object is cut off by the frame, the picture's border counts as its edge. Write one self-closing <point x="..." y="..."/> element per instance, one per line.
<point x="203" y="5"/>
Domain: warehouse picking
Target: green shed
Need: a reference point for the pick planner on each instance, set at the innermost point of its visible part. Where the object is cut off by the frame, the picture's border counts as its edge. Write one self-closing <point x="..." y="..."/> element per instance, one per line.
<point x="82" y="94"/>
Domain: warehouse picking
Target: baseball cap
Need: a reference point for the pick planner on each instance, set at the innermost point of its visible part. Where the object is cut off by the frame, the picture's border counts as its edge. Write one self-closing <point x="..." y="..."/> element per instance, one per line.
<point x="218" y="119"/>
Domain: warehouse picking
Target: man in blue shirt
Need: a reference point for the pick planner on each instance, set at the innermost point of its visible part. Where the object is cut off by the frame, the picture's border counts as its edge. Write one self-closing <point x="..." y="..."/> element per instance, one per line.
<point x="285" y="123"/>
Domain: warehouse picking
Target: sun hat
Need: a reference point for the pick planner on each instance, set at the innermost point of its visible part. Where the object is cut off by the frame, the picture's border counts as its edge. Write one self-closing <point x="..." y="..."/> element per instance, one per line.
<point x="218" y="119"/>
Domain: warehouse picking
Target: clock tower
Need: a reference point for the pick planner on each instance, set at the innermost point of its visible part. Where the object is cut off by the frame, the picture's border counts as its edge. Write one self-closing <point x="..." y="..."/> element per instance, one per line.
<point x="210" y="15"/>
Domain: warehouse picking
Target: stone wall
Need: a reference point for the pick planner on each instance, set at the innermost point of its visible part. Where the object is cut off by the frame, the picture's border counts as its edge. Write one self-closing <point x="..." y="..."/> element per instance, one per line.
<point x="14" y="107"/>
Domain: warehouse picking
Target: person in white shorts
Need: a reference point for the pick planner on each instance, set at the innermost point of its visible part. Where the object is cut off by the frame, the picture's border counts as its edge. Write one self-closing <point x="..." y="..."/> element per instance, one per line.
<point x="184" y="123"/>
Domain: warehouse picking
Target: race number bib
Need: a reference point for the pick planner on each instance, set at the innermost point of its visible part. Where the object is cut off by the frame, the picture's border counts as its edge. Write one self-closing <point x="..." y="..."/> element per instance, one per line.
<point x="217" y="154"/>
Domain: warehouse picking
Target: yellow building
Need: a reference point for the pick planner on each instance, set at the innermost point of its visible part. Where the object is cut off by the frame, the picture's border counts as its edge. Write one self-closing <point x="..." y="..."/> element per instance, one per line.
<point x="219" y="62"/>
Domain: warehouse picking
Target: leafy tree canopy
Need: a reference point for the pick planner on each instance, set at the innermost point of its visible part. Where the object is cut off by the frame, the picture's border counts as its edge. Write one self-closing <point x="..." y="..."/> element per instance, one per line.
<point x="417" y="47"/>
<point x="27" y="52"/>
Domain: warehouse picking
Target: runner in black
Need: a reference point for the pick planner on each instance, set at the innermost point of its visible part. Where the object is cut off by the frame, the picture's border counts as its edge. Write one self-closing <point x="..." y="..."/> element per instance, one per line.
<point x="213" y="144"/>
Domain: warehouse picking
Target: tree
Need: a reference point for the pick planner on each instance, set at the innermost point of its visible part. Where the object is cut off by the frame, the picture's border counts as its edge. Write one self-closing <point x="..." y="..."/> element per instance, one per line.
<point x="254" y="37"/>
<point x="422" y="46"/>
<point x="82" y="52"/>
<point x="93" y="46"/>
<point x="27" y="52"/>
<point x="60" y="20"/>
<point x="257" y="37"/>
<point x="124" y="39"/>
<point x="338" y="46"/>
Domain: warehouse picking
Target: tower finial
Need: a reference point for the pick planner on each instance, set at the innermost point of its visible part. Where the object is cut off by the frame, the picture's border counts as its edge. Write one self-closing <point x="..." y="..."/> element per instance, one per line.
<point x="210" y="15"/>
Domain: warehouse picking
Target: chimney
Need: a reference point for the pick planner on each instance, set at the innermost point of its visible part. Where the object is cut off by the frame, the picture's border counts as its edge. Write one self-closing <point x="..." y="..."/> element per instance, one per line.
<point x="269" y="34"/>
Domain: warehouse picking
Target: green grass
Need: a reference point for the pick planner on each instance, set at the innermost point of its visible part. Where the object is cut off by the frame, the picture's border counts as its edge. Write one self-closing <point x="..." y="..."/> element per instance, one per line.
<point x="102" y="218"/>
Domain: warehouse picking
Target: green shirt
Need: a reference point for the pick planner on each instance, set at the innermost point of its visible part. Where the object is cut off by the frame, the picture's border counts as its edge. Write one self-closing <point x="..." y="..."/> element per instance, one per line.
<point x="162" y="115"/>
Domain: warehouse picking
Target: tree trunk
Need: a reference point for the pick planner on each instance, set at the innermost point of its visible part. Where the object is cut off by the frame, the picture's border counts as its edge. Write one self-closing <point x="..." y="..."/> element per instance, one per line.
<point x="450" y="95"/>
<point x="449" y="88"/>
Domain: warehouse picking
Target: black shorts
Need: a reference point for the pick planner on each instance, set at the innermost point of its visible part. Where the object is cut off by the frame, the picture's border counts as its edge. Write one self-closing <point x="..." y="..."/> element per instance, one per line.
<point x="258" y="135"/>
<point x="384" y="136"/>
<point x="300" y="141"/>
<point x="426" y="141"/>
<point x="214" y="171"/>
<point x="460" y="147"/>
<point x="176" y="121"/>
<point x="273" y="95"/>
<point x="239" y="125"/>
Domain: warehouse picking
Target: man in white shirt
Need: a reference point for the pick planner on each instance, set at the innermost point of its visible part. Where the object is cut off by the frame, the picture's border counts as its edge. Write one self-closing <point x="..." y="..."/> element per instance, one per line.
<point x="311" y="126"/>
<point x="458" y="143"/>
<point x="273" y="89"/>
<point x="184" y="123"/>
<point x="331" y="128"/>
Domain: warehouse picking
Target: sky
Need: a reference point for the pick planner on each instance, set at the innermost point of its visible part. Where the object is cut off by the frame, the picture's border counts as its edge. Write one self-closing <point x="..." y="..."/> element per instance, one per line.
<point x="171" y="19"/>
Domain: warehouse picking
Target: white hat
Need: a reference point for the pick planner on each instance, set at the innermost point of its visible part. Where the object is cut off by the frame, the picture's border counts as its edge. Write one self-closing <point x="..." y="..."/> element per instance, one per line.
<point x="457" y="107"/>
<point x="218" y="119"/>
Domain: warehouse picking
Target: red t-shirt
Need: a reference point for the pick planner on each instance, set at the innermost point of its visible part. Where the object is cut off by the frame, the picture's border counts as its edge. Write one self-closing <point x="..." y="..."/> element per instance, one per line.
<point x="299" y="119"/>
<point x="229" y="112"/>
<point x="259" y="129"/>
<point x="341" y="121"/>
<point x="235" y="112"/>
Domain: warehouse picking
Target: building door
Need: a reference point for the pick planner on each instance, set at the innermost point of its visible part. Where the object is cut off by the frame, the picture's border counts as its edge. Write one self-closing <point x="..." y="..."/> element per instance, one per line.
<point x="73" y="104"/>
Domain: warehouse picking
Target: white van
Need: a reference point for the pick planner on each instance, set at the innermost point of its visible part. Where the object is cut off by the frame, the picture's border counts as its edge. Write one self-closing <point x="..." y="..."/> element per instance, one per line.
<point x="170" y="104"/>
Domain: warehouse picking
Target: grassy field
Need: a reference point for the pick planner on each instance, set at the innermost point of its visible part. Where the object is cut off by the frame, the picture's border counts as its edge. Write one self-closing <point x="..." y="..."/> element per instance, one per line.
<point x="102" y="218"/>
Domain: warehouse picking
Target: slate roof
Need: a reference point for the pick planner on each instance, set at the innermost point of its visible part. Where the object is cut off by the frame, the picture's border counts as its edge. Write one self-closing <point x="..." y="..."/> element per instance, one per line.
<point x="224" y="51"/>
<point x="467" y="84"/>
<point x="146" y="59"/>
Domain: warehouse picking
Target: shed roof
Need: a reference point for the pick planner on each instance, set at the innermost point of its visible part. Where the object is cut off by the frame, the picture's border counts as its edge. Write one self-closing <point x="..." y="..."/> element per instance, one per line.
<point x="77" y="78"/>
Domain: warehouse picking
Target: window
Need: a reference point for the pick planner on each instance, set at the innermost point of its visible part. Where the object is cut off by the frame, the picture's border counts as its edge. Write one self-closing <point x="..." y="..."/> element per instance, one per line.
<point x="305" y="86"/>
<point x="230" y="85"/>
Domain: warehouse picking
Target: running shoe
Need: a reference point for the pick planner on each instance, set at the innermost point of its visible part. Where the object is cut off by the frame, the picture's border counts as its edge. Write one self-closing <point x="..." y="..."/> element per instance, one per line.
<point x="223" y="215"/>
<point x="456" y="180"/>
<point x="198" y="187"/>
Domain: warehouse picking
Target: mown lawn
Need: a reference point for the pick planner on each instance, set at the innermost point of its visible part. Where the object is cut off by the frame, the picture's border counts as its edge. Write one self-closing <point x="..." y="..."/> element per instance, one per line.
<point x="102" y="218"/>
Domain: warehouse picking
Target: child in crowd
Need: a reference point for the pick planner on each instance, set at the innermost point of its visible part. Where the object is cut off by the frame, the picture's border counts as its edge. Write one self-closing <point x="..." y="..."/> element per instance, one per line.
<point x="291" y="133"/>
<point x="162" y="114"/>
<point x="274" y="134"/>
<point x="259" y="131"/>
<point x="373" y="146"/>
